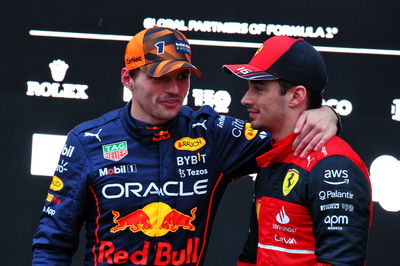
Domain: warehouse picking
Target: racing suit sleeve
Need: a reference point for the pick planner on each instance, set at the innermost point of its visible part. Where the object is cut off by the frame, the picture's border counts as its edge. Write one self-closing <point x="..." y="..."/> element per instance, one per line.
<point x="62" y="217"/>
<point x="339" y="200"/>
<point x="238" y="145"/>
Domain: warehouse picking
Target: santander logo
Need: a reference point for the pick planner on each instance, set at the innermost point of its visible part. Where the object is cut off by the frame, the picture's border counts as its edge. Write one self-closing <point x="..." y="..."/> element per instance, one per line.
<point x="281" y="217"/>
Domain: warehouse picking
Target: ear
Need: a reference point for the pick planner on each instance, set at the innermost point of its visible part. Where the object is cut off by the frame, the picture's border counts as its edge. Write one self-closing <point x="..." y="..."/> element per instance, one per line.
<point x="126" y="79"/>
<point x="298" y="95"/>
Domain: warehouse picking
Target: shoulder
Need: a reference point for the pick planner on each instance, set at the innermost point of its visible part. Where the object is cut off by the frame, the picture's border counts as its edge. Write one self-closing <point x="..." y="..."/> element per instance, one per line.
<point x="97" y="122"/>
<point x="334" y="149"/>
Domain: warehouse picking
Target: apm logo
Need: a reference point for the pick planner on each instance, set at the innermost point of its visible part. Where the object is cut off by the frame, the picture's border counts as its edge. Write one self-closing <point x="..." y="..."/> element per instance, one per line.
<point x="58" y="69"/>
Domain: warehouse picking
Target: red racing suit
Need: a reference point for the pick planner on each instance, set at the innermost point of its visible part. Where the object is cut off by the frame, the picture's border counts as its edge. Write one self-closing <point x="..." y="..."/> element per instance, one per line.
<point x="147" y="194"/>
<point x="312" y="211"/>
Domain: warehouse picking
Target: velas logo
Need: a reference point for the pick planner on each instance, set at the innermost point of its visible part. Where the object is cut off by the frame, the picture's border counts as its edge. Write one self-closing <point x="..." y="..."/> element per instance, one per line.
<point x="56" y="184"/>
<point x="249" y="132"/>
<point x="115" y="151"/>
<point x="189" y="144"/>
<point x="58" y="69"/>
<point x="291" y="179"/>
<point x="155" y="219"/>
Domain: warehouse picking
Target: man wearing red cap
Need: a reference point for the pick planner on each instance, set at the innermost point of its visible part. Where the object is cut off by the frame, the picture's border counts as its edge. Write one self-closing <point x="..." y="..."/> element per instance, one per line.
<point x="146" y="179"/>
<point x="311" y="211"/>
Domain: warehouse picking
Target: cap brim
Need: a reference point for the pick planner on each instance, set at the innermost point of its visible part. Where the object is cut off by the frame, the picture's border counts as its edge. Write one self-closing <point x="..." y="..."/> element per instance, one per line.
<point x="249" y="72"/>
<point x="161" y="68"/>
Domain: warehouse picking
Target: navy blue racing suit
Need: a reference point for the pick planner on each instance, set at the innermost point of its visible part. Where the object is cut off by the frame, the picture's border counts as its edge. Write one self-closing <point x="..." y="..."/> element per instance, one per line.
<point x="147" y="194"/>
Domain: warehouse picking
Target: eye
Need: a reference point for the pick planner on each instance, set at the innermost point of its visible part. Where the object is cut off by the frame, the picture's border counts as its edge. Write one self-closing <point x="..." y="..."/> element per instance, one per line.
<point x="184" y="75"/>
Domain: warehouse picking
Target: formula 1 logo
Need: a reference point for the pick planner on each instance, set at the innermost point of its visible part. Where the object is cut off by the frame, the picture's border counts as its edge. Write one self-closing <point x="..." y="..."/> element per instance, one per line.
<point x="291" y="179"/>
<point x="155" y="219"/>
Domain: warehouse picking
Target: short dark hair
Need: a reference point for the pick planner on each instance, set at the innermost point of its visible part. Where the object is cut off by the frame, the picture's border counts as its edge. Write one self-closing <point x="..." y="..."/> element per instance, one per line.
<point x="314" y="98"/>
<point x="133" y="72"/>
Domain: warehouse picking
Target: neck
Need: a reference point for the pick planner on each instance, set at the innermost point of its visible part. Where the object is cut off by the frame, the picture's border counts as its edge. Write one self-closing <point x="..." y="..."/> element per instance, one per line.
<point x="286" y="127"/>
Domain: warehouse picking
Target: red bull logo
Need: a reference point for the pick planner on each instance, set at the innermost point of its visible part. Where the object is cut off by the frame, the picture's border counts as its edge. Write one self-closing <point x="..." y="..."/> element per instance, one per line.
<point x="136" y="221"/>
<point x="175" y="219"/>
<point x="165" y="254"/>
<point x="162" y="135"/>
<point x="155" y="219"/>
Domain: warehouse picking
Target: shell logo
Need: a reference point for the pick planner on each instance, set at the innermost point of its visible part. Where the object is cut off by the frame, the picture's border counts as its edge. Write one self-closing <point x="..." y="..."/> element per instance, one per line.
<point x="56" y="184"/>
<point x="249" y="132"/>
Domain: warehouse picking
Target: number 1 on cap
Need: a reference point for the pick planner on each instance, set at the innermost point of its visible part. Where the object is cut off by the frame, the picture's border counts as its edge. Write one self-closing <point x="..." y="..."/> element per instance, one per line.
<point x="160" y="47"/>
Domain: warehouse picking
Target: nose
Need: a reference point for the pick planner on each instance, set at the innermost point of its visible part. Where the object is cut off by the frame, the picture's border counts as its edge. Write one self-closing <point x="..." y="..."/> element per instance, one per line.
<point x="246" y="99"/>
<point x="173" y="86"/>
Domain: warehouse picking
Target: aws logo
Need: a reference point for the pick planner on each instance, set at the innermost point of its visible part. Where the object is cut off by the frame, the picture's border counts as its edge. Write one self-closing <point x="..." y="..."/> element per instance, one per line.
<point x="249" y="132"/>
<point x="291" y="179"/>
<point x="189" y="144"/>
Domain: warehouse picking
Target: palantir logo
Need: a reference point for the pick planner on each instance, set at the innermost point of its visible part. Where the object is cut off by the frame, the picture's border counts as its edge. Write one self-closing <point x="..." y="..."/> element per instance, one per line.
<point x="58" y="70"/>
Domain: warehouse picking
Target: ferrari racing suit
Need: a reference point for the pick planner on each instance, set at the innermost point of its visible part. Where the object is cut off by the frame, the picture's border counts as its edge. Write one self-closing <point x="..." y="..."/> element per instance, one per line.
<point x="312" y="211"/>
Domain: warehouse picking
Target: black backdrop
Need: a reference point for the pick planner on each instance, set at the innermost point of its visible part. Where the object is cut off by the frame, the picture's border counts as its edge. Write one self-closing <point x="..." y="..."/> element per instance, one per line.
<point x="368" y="81"/>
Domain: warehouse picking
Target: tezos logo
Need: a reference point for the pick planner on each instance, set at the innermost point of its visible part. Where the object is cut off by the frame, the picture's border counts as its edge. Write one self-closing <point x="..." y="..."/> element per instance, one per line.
<point x="58" y="70"/>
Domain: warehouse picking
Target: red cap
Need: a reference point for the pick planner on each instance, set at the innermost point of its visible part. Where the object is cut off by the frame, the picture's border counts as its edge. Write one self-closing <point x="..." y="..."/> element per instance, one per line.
<point x="286" y="58"/>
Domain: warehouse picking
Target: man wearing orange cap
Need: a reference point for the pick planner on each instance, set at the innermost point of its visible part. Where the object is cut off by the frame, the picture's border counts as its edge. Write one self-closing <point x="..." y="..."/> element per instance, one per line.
<point x="146" y="179"/>
<point x="311" y="211"/>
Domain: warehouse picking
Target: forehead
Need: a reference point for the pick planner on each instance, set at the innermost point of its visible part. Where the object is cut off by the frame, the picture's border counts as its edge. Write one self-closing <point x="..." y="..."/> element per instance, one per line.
<point x="264" y="83"/>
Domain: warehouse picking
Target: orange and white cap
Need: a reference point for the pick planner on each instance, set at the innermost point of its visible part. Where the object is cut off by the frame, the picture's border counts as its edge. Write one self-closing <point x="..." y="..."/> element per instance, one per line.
<point x="159" y="51"/>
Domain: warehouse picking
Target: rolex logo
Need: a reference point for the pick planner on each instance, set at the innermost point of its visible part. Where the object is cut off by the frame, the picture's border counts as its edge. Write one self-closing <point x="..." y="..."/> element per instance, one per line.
<point x="58" y="69"/>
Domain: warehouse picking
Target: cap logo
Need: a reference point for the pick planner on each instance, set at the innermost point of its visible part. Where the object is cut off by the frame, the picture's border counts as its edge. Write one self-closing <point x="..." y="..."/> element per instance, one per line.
<point x="133" y="59"/>
<point x="182" y="47"/>
<point x="160" y="47"/>
<point x="259" y="49"/>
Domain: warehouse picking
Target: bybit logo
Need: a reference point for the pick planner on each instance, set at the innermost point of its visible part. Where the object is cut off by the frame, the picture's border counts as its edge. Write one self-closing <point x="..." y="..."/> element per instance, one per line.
<point x="58" y="69"/>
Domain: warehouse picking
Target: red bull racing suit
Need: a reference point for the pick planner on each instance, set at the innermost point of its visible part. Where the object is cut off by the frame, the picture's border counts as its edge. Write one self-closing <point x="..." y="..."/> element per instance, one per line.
<point x="312" y="211"/>
<point x="147" y="194"/>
